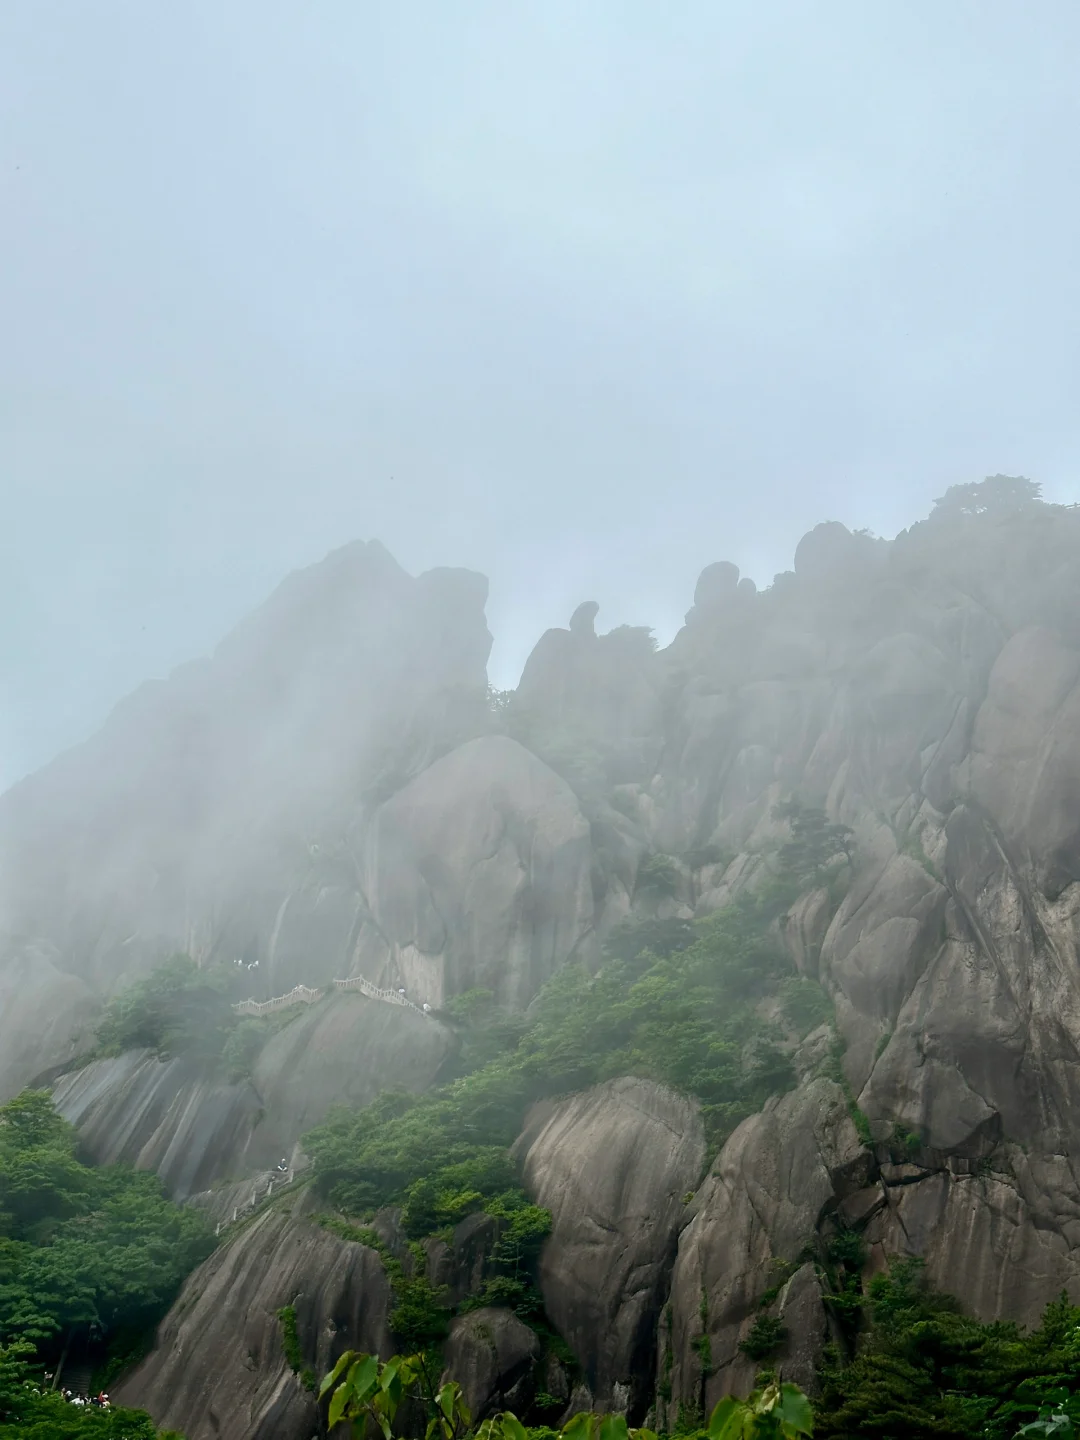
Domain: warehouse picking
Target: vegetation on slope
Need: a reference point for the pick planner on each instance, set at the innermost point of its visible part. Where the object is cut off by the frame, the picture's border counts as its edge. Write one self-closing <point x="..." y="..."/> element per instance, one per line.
<point x="675" y="1001"/>
<point x="29" y="1411"/>
<point x="688" y="1018"/>
<point x="924" y="1368"/>
<point x="181" y="1008"/>
<point x="90" y="1257"/>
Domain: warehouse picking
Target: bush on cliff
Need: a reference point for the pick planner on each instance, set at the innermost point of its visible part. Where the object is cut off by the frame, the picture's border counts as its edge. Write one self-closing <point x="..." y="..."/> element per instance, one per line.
<point x="87" y="1255"/>
<point x="923" y="1368"/>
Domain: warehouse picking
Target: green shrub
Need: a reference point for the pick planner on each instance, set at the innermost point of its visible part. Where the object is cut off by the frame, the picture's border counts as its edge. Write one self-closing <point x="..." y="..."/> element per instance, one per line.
<point x="805" y="1004"/>
<point x="94" y="1253"/>
<point x="766" y="1336"/>
<point x="177" y="1009"/>
<point x="923" y="1368"/>
<point x="290" y="1344"/>
<point x="658" y="877"/>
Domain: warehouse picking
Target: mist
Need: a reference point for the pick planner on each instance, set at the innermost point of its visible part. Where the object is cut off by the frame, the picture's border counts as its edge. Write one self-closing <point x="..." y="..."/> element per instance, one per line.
<point x="583" y="298"/>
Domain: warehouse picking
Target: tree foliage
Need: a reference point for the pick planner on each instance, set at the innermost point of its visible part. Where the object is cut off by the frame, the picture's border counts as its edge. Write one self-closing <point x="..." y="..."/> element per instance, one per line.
<point x="368" y="1394"/>
<point x="816" y="844"/>
<point x="923" y="1368"/>
<point x="181" y="1008"/>
<point x="178" y="1008"/>
<point x="29" y="1411"/>
<point x="996" y="495"/>
<point x="658" y="877"/>
<point x="86" y="1250"/>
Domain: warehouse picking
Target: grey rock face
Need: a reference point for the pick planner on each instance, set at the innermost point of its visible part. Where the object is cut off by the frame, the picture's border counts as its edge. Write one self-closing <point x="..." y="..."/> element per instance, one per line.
<point x="582" y="689"/>
<point x="45" y="1015"/>
<point x="341" y="1052"/>
<point x="165" y="1116"/>
<point x="491" y="1354"/>
<point x="160" y="1115"/>
<point x="479" y="876"/>
<point x="925" y="692"/>
<point x="218" y="1367"/>
<point x="1005" y="1238"/>
<point x="613" y="1165"/>
<point x="761" y="1202"/>
<point x="209" y="799"/>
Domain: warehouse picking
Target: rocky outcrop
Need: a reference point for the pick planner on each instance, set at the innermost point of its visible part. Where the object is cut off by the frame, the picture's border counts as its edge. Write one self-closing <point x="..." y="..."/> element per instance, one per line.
<point x="217" y="812"/>
<point x="479" y="876"/>
<point x="761" y="1203"/>
<point x="167" y="1116"/>
<point x="341" y="1052"/>
<point x="580" y="690"/>
<point x="1003" y="1233"/>
<point x="327" y="794"/>
<point x="492" y="1355"/>
<point x="46" y="1016"/>
<point x="160" y="1115"/>
<point x="219" y="1366"/>
<point x="613" y="1165"/>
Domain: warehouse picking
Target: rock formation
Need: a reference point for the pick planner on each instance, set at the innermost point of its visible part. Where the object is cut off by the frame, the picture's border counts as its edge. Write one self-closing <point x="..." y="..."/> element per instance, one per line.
<point x="220" y="1366"/>
<point x="613" y="1165"/>
<point x="164" y="1115"/>
<point x="331" y="795"/>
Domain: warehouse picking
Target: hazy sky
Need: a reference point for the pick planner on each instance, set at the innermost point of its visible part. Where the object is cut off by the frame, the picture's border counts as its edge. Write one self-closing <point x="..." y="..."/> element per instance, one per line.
<point x="582" y="295"/>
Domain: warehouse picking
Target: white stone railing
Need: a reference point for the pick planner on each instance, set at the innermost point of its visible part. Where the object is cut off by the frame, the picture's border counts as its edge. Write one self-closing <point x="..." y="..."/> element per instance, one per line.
<point x="393" y="997"/>
<point x="301" y="995"/>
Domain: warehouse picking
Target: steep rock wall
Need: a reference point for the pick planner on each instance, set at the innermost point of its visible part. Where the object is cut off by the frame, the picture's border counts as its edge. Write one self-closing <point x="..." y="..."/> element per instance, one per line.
<point x="222" y="812"/>
<point x="613" y="1165"/>
<point x="164" y="1115"/>
<point x="479" y="876"/>
<point x="219" y="1368"/>
<point x="761" y="1202"/>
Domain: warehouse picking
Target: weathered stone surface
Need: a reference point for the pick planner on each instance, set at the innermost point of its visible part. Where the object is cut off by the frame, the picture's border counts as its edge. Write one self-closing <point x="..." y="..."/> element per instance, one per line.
<point x="340" y="1052"/>
<point x="46" y="1016"/>
<point x="1025" y="755"/>
<point x="613" y="1165"/>
<point x="160" y="1115"/>
<point x="1006" y="1238"/>
<point x="491" y="1354"/>
<point x="218" y="1367"/>
<point x="164" y="1115"/>
<point x="762" y="1201"/>
<point x="324" y="794"/>
<point x="479" y="875"/>
<point x="801" y="1309"/>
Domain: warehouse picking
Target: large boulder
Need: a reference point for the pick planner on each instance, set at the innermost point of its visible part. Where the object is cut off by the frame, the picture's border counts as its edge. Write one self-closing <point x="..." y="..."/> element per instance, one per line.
<point x="160" y="1115"/>
<point x="478" y="875"/>
<point x="340" y="1052"/>
<point x="219" y="1365"/>
<point x="614" y="1166"/>
<point x="762" y="1202"/>
<point x="492" y="1355"/>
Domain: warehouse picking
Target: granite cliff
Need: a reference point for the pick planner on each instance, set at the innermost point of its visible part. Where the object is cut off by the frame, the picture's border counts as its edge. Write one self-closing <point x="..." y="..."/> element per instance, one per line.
<point x="334" y="794"/>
